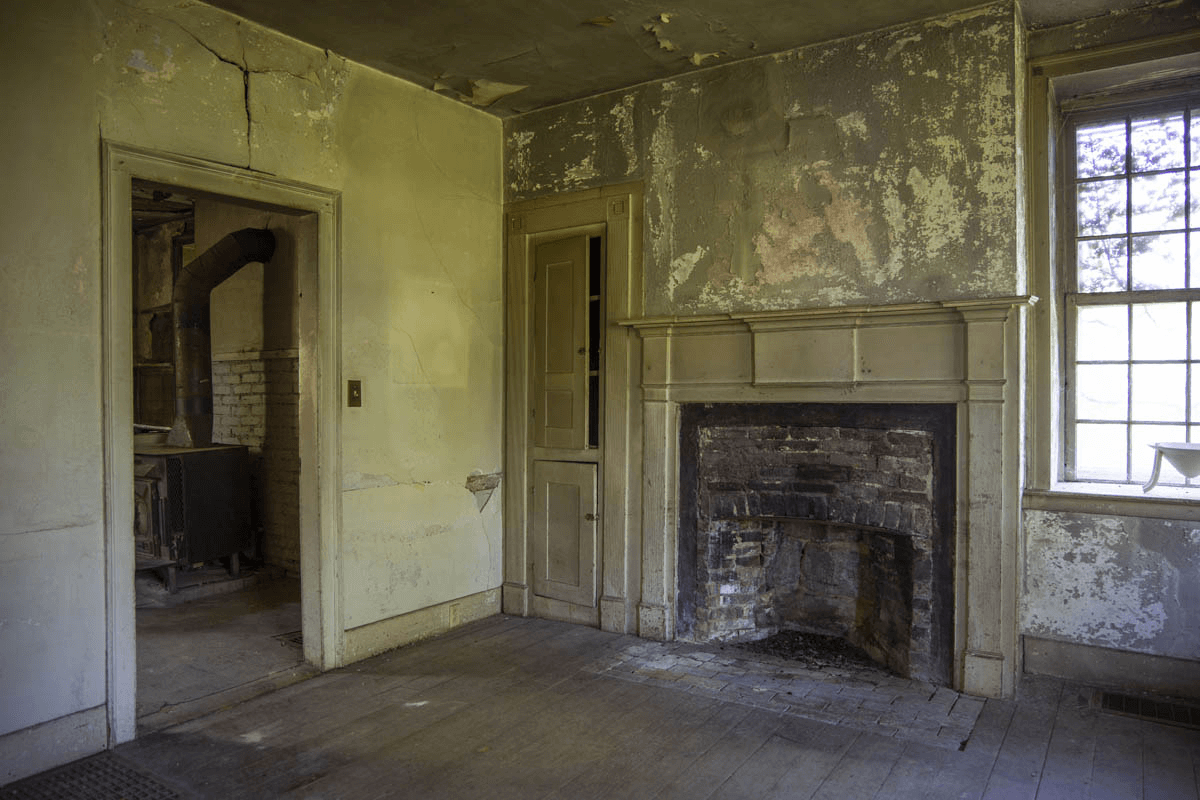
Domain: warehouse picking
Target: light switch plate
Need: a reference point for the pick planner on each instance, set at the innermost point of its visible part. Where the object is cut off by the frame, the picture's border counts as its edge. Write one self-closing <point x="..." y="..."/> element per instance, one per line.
<point x="354" y="394"/>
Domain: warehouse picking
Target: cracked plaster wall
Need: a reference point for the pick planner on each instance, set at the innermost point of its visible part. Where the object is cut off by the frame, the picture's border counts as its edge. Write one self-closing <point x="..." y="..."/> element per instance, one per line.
<point x="1127" y="583"/>
<point x="880" y="168"/>
<point x="421" y="299"/>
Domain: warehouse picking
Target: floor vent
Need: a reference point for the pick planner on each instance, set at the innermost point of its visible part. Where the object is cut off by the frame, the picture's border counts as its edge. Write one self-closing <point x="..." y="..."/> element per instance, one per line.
<point x="1147" y="708"/>
<point x="295" y="637"/>
<point x="100" y="777"/>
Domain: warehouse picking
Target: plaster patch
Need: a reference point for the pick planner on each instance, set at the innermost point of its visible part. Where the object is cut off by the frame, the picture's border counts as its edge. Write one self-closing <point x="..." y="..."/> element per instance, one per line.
<point x="682" y="267"/>
<point x="139" y="62"/>
<point x="585" y="170"/>
<point x="790" y="243"/>
<point x="853" y="124"/>
<point x="355" y="481"/>
<point x="941" y="219"/>
<point x="900" y="44"/>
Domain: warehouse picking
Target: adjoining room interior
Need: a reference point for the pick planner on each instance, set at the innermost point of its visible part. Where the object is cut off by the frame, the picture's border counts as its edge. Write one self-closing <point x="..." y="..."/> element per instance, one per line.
<point x="535" y="356"/>
<point x="216" y="512"/>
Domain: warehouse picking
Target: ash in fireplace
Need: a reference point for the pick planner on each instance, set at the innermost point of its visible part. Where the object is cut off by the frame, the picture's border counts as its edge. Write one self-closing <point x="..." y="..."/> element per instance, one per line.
<point x="814" y="650"/>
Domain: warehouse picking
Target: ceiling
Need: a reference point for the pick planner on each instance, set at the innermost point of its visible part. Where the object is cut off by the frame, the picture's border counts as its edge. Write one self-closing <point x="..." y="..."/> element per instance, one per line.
<point x="513" y="56"/>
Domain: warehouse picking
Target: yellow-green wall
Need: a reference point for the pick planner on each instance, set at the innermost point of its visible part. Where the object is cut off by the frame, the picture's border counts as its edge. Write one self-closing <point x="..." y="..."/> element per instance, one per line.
<point x="421" y="308"/>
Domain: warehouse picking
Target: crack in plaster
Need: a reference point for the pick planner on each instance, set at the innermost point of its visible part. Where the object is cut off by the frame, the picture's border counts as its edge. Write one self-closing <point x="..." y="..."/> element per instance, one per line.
<point x="312" y="77"/>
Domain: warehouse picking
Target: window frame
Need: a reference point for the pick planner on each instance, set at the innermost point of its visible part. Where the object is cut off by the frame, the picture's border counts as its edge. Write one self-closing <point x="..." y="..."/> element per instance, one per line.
<point x="1123" y="106"/>
<point x="1052" y="84"/>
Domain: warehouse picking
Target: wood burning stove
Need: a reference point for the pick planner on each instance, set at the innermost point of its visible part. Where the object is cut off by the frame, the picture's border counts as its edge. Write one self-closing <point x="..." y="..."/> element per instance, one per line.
<point x="192" y="506"/>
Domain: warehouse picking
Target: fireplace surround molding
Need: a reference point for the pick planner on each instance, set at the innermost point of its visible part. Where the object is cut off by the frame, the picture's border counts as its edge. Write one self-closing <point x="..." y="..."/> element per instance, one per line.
<point x="967" y="352"/>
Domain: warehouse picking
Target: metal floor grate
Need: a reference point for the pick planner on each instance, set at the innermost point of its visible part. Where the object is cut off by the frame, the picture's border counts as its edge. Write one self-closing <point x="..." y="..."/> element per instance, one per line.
<point x="1147" y="708"/>
<point x="295" y="637"/>
<point x="100" y="777"/>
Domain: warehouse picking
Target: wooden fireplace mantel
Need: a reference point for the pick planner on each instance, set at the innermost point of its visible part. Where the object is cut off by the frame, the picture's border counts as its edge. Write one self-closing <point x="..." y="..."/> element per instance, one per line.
<point x="967" y="352"/>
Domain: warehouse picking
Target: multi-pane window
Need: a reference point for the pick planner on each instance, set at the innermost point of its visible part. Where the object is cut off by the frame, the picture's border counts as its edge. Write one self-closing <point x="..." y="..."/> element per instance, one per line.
<point x="1132" y="193"/>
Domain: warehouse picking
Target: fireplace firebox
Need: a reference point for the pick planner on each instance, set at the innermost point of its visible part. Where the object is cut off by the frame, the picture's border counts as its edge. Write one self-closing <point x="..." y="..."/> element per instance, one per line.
<point x="831" y="518"/>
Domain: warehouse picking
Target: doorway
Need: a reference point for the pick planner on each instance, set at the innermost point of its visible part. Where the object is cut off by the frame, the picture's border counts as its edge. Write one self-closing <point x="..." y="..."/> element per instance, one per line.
<point x="216" y="523"/>
<point x="574" y="272"/>
<point x="313" y="315"/>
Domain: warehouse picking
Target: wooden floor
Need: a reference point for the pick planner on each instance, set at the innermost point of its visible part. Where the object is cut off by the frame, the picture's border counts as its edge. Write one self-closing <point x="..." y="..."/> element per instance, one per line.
<point x="505" y="708"/>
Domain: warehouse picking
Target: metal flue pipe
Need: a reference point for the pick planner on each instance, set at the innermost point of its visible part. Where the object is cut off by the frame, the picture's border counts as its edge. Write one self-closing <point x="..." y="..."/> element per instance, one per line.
<point x="193" y="343"/>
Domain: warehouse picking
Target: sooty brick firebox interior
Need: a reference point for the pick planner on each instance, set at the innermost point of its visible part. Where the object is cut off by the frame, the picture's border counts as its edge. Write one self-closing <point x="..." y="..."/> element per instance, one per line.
<point x="833" y="518"/>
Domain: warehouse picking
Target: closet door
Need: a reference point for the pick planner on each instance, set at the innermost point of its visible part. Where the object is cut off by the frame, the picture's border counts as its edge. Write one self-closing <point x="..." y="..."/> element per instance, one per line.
<point x="560" y="358"/>
<point x="564" y="523"/>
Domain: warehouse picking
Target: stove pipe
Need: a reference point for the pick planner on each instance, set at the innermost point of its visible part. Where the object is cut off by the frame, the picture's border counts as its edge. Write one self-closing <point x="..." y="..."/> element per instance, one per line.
<point x="193" y="346"/>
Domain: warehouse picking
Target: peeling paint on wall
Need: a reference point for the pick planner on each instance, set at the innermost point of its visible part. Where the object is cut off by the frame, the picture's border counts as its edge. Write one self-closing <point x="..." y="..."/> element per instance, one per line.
<point x="842" y="173"/>
<point x="1120" y="582"/>
<point x="622" y="115"/>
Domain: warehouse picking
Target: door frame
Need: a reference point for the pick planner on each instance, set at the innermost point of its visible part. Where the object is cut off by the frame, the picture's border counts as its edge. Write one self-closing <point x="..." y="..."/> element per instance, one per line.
<point x="320" y="404"/>
<point x="527" y="224"/>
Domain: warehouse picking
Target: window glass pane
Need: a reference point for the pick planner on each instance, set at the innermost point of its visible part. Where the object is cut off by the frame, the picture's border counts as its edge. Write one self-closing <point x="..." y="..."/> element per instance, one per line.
<point x="1158" y="261"/>
<point x="1101" y="208"/>
<point x="1157" y="202"/>
<point x="1195" y="149"/>
<point x="1101" y="265"/>
<point x="1159" y="392"/>
<point x="1102" y="333"/>
<point x="1157" y="141"/>
<point x="1159" y="331"/>
<point x="1102" y="391"/>
<point x="1194" y="190"/>
<point x="1100" y="149"/>
<point x="1100" y="452"/>
<point x="1195" y="331"/>
<point x="1142" y="453"/>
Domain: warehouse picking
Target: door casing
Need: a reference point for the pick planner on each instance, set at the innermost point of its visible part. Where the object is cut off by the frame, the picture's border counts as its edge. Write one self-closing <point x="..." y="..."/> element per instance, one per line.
<point x="320" y="405"/>
<point x="618" y="209"/>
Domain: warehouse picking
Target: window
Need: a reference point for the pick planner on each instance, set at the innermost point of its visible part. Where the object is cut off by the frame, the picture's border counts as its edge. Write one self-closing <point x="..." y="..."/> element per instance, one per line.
<point x="1130" y="195"/>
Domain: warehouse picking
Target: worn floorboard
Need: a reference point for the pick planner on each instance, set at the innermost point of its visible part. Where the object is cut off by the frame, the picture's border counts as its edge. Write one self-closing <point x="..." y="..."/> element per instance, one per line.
<point x="1070" y="755"/>
<point x="1018" y="766"/>
<point x="518" y="708"/>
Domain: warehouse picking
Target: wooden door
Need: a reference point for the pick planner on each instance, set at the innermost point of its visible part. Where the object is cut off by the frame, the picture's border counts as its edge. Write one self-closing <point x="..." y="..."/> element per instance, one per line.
<point x="565" y="437"/>
<point x="564" y="531"/>
<point x="560" y="344"/>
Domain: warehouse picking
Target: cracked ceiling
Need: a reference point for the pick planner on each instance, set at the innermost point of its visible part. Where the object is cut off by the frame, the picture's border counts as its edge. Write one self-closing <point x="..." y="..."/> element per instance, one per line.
<point x="512" y="56"/>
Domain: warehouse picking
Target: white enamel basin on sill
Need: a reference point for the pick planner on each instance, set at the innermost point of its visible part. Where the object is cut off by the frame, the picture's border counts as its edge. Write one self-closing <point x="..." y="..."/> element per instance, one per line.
<point x="1183" y="456"/>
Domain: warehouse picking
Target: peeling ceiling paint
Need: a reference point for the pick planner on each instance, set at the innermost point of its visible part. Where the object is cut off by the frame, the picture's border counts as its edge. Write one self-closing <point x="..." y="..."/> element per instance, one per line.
<point x="548" y="52"/>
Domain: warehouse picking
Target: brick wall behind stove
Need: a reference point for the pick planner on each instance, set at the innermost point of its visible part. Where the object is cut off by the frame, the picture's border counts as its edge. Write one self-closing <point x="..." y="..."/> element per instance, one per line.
<point x="256" y="403"/>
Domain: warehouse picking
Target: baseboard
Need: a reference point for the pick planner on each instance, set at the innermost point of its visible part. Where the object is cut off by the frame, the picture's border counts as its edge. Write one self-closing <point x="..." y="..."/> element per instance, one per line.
<point x="561" y="611"/>
<point x="50" y="744"/>
<point x="377" y="637"/>
<point x="1113" y="669"/>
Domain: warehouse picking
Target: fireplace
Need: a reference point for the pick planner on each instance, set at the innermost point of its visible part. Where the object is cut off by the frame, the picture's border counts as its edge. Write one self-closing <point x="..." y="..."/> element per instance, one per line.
<point x="959" y="360"/>
<point x="827" y="518"/>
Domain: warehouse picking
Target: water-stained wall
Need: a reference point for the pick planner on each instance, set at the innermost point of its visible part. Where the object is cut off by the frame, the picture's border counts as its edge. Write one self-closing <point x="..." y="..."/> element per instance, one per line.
<point x="1127" y="583"/>
<point x="881" y="168"/>
<point x="421" y="303"/>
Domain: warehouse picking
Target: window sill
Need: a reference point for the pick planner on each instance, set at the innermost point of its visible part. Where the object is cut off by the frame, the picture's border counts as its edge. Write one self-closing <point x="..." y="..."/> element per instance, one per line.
<point x="1162" y="502"/>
